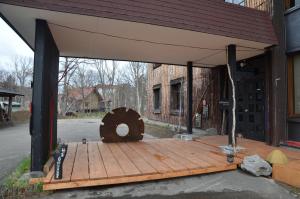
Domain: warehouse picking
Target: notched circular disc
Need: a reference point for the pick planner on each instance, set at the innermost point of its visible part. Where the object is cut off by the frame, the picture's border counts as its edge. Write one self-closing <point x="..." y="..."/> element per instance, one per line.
<point x="108" y="130"/>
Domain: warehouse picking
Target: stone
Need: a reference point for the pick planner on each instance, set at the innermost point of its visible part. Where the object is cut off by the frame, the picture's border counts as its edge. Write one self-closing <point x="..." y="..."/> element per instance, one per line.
<point x="256" y="165"/>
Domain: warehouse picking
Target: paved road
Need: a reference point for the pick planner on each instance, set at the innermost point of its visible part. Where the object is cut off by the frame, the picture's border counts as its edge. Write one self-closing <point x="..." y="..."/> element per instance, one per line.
<point x="14" y="146"/>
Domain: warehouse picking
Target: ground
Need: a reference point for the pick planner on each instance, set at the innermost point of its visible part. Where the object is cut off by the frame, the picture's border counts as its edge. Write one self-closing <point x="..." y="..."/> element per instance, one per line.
<point x="15" y="145"/>
<point x="234" y="184"/>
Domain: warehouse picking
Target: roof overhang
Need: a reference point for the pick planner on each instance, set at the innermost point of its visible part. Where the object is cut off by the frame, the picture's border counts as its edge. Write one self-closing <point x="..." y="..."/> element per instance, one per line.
<point x="9" y="93"/>
<point x="78" y="35"/>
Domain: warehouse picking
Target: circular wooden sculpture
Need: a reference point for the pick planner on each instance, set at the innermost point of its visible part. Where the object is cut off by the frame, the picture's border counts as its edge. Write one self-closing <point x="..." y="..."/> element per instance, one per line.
<point x="119" y="116"/>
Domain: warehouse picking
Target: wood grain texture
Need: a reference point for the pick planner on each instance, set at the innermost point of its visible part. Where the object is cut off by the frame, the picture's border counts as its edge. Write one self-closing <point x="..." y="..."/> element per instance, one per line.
<point x="137" y="159"/>
<point x="81" y="164"/>
<point x="98" y="163"/>
<point x="125" y="163"/>
<point x="112" y="166"/>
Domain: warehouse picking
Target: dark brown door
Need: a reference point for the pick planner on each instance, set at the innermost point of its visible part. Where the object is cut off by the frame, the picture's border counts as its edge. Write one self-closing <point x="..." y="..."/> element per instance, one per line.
<point x="251" y="107"/>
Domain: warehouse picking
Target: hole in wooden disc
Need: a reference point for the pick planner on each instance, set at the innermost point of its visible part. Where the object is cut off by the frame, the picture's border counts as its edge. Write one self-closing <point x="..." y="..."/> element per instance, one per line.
<point x="122" y="130"/>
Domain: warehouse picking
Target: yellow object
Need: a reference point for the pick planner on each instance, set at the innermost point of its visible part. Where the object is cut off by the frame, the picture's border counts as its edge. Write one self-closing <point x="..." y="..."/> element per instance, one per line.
<point x="277" y="157"/>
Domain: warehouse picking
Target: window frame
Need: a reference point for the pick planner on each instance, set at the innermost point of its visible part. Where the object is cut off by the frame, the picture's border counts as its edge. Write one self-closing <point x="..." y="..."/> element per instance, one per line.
<point x="291" y="87"/>
<point x="157" y="87"/>
<point x="174" y="82"/>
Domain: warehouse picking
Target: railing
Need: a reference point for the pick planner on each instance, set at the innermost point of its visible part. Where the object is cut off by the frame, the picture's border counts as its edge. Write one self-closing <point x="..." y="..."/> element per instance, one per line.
<point x="263" y="5"/>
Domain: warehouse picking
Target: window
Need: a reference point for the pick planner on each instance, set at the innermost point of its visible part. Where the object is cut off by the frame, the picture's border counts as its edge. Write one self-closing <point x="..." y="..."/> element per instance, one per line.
<point x="297" y="84"/>
<point x="294" y="86"/>
<point x="176" y="97"/>
<point x="291" y="3"/>
<point x="157" y="98"/>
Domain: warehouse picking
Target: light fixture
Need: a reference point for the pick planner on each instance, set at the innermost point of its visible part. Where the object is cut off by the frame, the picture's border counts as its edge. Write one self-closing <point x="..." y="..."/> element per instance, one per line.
<point x="243" y="64"/>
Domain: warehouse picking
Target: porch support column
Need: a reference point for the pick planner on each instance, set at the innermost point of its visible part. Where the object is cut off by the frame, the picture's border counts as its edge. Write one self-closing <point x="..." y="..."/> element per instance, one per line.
<point x="44" y="97"/>
<point x="231" y="53"/>
<point x="9" y="108"/>
<point x="189" y="119"/>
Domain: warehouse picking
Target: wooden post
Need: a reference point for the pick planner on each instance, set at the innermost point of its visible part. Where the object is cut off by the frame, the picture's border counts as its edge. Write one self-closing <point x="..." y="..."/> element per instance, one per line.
<point x="231" y="53"/>
<point x="44" y="96"/>
<point x="9" y="108"/>
<point x="189" y="122"/>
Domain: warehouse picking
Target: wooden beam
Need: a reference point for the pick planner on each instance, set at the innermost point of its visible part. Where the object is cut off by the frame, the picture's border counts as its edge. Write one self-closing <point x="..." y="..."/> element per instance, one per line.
<point x="189" y="121"/>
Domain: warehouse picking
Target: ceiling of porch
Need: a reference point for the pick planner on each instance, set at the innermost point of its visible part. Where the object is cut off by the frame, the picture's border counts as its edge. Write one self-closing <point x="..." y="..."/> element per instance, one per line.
<point x="98" y="37"/>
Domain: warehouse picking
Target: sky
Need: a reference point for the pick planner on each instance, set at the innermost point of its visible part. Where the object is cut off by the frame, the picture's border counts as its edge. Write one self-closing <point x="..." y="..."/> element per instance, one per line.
<point x="11" y="45"/>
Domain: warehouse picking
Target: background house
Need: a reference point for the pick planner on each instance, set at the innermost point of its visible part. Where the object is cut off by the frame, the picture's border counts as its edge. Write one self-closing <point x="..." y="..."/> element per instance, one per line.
<point x="84" y="100"/>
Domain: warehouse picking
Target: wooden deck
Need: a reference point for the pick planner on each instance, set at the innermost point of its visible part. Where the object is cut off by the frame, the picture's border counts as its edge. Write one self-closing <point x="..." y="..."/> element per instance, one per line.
<point x="96" y="163"/>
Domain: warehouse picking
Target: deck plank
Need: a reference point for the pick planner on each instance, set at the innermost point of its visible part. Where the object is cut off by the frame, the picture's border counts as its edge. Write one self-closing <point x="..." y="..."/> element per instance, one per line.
<point x="173" y="164"/>
<point x="148" y="157"/>
<point x="138" y="161"/>
<point x="49" y="176"/>
<point x="185" y="152"/>
<point x="207" y="156"/>
<point x="111" y="165"/>
<point x="81" y="164"/>
<point x="186" y="163"/>
<point x="96" y="165"/>
<point x="125" y="163"/>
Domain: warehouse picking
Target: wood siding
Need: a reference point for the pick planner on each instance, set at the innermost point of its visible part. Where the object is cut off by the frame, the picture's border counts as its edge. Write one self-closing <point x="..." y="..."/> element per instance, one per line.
<point x="263" y="5"/>
<point x="202" y="78"/>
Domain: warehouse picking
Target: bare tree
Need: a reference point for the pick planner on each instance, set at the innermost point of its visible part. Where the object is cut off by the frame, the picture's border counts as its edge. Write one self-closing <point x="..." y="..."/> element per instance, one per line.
<point x="68" y="67"/>
<point x="3" y="76"/>
<point x="23" y="70"/>
<point x="106" y="76"/>
<point x="8" y="80"/>
<point x="136" y="76"/>
<point x="84" y="78"/>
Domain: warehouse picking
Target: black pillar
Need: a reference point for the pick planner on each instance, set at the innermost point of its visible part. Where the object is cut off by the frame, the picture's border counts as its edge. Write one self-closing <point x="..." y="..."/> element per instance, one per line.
<point x="44" y="97"/>
<point x="9" y="108"/>
<point x="189" y="119"/>
<point x="231" y="53"/>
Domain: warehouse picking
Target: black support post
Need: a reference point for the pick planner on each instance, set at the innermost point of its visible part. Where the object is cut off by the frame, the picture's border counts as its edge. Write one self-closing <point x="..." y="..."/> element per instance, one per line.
<point x="231" y="53"/>
<point x="9" y="108"/>
<point x="44" y="97"/>
<point x="189" y="119"/>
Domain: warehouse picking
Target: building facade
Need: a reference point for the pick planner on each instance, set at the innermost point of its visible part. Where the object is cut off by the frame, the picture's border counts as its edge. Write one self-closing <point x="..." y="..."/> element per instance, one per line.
<point x="292" y="28"/>
<point x="267" y="85"/>
<point x="167" y="99"/>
